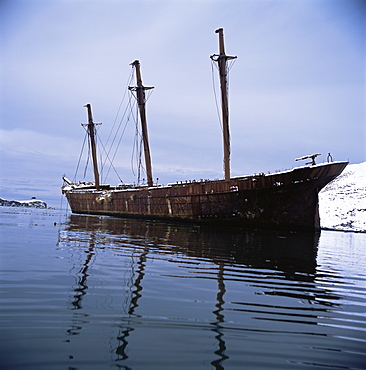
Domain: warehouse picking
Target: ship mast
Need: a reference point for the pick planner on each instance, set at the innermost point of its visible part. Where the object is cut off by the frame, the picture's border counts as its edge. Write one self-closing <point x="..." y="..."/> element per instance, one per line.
<point x="91" y="132"/>
<point x="140" y="94"/>
<point x="221" y="60"/>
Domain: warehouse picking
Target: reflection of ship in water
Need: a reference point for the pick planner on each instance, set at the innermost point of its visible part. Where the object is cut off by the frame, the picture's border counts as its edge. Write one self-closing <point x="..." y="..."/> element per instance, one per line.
<point x="291" y="254"/>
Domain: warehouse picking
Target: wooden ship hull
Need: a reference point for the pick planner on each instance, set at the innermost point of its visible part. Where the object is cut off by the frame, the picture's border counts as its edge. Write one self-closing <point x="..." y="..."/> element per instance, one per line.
<point x="281" y="200"/>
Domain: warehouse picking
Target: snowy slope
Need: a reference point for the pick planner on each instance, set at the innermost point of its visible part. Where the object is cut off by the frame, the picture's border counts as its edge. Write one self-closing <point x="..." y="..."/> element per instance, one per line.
<point x="34" y="203"/>
<point x="342" y="203"/>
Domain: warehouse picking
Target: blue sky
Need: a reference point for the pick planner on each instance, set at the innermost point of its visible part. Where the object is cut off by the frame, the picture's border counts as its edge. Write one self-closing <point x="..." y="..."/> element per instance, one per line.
<point x="297" y="87"/>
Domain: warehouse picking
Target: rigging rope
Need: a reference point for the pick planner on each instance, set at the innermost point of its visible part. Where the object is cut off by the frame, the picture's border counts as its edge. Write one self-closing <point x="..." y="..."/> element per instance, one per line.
<point x="140" y="163"/>
<point x="118" y="128"/>
<point x="81" y="153"/>
<point x="111" y="163"/>
<point x="228" y="68"/>
<point x="135" y="147"/>
<point x="136" y="155"/>
<point x="115" y="136"/>
<point x="111" y="146"/>
<point x="120" y="105"/>
<point x="87" y="159"/>
<point x="215" y="95"/>
<point x="124" y="129"/>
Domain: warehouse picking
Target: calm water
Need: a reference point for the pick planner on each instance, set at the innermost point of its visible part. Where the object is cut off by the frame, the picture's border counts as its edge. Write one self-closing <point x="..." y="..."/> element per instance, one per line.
<point x="100" y="293"/>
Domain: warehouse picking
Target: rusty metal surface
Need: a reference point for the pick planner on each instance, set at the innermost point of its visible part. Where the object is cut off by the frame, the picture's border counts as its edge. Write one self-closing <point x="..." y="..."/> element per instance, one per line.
<point x="283" y="200"/>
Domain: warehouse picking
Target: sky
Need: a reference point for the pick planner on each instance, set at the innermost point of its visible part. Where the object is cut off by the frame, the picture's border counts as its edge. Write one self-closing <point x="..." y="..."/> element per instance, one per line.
<point x="297" y="86"/>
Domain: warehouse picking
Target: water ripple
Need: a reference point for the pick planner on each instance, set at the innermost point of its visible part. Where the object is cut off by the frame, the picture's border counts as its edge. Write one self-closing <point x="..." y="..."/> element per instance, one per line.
<point x="110" y="293"/>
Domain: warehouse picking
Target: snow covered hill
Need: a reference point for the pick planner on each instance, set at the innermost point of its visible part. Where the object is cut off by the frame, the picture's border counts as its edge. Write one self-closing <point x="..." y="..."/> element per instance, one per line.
<point x="34" y="203"/>
<point x="342" y="203"/>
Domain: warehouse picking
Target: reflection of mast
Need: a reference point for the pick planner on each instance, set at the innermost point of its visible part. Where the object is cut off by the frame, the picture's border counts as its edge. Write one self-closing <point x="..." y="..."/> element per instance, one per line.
<point x="82" y="286"/>
<point x="80" y="291"/>
<point x="121" y="350"/>
<point x="220" y="319"/>
<point x="138" y="288"/>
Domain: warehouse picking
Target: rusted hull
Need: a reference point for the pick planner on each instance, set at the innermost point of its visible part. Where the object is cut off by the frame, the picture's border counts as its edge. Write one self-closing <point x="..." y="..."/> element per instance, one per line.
<point x="284" y="200"/>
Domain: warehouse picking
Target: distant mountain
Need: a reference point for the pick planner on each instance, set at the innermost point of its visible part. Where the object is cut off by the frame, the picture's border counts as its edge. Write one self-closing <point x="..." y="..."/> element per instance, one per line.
<point x="34" y="203"/>
<point x="342" y="203"/>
